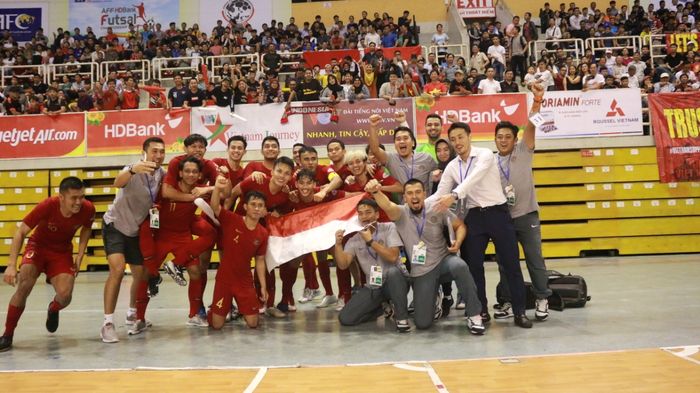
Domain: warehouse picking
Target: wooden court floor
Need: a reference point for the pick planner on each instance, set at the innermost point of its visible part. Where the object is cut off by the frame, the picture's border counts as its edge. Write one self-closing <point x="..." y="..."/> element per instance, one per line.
<point x="648" y="370"/>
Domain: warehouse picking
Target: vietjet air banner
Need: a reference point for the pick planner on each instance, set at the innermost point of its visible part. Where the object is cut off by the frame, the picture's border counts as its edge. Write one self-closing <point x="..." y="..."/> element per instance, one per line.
<point x="123" y="132"/>
<point x="482" y="112"/>
<point x="593" y="113"/>
<point x="37" y="136"/>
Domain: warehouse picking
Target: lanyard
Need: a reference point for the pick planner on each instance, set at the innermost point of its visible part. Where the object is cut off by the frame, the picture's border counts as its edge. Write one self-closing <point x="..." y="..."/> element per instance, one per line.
<point x="375" y="235"/>
<point x="461" y="178"/>
<point x="419" y="226"/>
<point x="506" y="173"/>
<point x="148" y="186"/>
<point x="413" y="160"/>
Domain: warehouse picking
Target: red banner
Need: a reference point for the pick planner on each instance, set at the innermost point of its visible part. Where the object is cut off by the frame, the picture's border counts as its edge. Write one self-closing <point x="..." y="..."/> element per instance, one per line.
<point x="675" y="119"/>
<point x="476" y="8"/>
<point x="37" y="136"/>
<point x="321" y="58"/>
<point x="481" y="112"/>
<point x="123" y="132"/>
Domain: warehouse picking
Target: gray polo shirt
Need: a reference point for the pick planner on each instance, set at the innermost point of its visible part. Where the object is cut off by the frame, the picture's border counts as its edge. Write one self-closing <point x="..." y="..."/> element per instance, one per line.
<point x="516" y="169"/>
<point x="433" y="236"/>
<point x="386" y="235"/>
<point x="420" y="166"/>
<point x="130" y="206"/>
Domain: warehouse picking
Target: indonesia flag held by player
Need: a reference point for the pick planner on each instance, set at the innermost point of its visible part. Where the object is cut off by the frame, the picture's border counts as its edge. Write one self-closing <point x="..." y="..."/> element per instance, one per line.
<point x="311" y="229"/>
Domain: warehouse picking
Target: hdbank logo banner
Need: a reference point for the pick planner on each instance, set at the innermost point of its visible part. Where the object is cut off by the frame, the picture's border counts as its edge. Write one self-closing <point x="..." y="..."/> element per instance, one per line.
<point x="22" y="23"/>
<point x="118" y="14"/>
<point x="577" y="114"/>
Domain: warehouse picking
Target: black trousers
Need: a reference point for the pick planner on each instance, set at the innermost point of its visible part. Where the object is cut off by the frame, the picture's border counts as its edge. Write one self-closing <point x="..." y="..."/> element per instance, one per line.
<point x="494" y="223"/>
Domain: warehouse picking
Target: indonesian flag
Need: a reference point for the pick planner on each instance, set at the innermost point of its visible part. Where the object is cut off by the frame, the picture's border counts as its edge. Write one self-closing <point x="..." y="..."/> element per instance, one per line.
<point x="310" y="229"/>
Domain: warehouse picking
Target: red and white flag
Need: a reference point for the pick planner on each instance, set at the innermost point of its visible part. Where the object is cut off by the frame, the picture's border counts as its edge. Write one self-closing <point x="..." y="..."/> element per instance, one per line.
<point x="311" y="229"/>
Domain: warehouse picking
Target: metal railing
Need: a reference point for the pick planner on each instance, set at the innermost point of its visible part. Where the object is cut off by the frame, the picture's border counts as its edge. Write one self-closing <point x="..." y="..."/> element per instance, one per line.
<point x="140" y="67"/>
<point x="456" y="49"/>
<point x="165" y="68"/>
<point x="217" y="63"/>
<point x="290" y="63"/>
<point x="657" y="47"/>
<point x="22" y="72"/>
<point x="575" y="47"/>
<point x="599" y="44"/>
<point x="58" y="71"/>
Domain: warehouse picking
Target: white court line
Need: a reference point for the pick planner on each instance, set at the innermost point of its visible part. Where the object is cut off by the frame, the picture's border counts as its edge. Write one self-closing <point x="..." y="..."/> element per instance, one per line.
<point x="256" y="381"/>
<point x="685" y="352"/>
<point x="437" y="382"/>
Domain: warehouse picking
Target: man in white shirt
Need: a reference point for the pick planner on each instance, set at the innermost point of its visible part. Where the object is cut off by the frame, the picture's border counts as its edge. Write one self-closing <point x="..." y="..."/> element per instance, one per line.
<point x="594" y="80"/>
<point x="372" y="36"/>
<point x="440" y="38"/>
<point x="489" y="85"/>
<point x="639" y="66"/>
<point x="553" y="32"/>
<point x="575" y="23"/>
<point x="497" y="54"/>
<point x="543" y="76"/>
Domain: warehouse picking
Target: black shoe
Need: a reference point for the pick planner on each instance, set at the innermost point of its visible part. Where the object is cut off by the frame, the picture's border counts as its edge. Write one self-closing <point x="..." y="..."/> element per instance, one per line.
<point x="51" y="321"/>
<point x="523" y="321"/>
<point x="5" y="343"/>
<point x="485" y="317"/>
<point x="153" y="283"/>
<point x="284" y="307"/>
<point x="447" y="303"/>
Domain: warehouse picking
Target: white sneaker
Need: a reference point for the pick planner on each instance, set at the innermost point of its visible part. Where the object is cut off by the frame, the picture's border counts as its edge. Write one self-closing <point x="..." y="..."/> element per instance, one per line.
<point x="174" y="273"/>
<point x="340" y="305"/>
<point x="138" y="327"/>
<point x="476" y="325"/>
<point x="461" y="305"/>
<point x="309" y="295"/>
<point x="109" y="333"/>
<point x="130" y="319"/>
<point x="506" y="311"/>
<point x="328" y="300"/>
<point x="541" y="309"/>
<point x="197" y="321"/>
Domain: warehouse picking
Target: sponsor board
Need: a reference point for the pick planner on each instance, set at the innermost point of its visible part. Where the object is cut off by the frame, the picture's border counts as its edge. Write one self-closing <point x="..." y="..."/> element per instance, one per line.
<point x="118" y="14"/>
<point x="37" y="136"/>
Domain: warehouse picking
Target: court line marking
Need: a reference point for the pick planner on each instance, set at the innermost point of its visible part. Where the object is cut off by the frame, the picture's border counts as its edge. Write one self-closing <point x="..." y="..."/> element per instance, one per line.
<point x="685" y="352"/>
<point x="427" y="368"/>
<point x="256" y="381"/>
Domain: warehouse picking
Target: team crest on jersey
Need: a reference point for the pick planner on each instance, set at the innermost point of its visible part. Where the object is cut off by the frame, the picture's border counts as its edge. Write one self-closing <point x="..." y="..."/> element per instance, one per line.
<point x="29" y="254"/>
<point x="52" y="227"/>
<point x="256" y="242"/>
<point x="433" y="219"/>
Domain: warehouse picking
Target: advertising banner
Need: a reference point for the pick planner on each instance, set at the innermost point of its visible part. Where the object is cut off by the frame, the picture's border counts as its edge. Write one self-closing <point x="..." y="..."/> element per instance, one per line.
<point x="253" y="12"/>
<point x="321" y="58"/>
<point x="476" y="8"/>
<point x="683" y="40"/>
<point x="117" y="14"/>
<point x="23" y="22"/>
<point x="675" y="119"/>
<point x="482" y="112"/>
<point x="37" y="136"/>
<point x="576" y="114"/>
<point x="123" y="132"/>
<point x="253" y="121"/>
<point x="352" y="126"/>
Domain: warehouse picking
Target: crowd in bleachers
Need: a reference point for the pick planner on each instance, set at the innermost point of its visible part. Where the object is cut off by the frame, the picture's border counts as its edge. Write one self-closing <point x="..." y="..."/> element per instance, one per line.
<point x="498" y="58"/>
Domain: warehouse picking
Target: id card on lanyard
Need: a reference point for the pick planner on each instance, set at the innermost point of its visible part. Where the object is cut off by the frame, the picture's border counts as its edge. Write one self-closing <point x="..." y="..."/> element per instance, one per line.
<point x="153" y="213"/>
<point x="418" y="255"/>
<point x="375" y="277"/>
<point x="509" y="191"/>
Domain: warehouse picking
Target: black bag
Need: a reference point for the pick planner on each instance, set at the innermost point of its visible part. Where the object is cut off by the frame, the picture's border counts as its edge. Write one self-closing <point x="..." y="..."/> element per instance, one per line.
<point x="571" y="288"/>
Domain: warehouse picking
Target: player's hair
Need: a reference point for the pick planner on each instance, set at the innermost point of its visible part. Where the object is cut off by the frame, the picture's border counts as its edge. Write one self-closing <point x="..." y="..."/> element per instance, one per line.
<point x="270" y="138"/>
<point x="254" y="195"/>
<point x="153" y="139"/>
<point x="355" y="154"/>
<point x="411" y="182"/>
<point x="284" y="161"/>
<point x="461" y="125"/>
<point x="239" y="138"/>
<point x="306" y="173"/>
<point x="70" y="183"/>
<point x="336" y="140"/>
<point x="194" y="138"/>
<point x="508" y="125"/>
<point x="381" y="146"/>
<point x="433" y="116"/>
<point x="297" y="144"/>
<point x="192" y="159"/>
<point x="307" y="149"/>
<point x="410" y="133"/>
<point x="368" y="202"/>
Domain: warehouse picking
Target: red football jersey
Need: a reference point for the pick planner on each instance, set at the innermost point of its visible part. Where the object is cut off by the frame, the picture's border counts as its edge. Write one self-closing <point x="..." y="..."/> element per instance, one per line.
<point x="271" y="201"/>
<point x="176" y="216"/>
<point x="343" y="171"/>
<point x="54" y="231"/>
<point x="209" y="172"/>
<point x="333" y="195"/>
<point x="256" y="166"/>
<point x="239" y="245"/>
<point x="234" y="176"/>
<point x="382" y="177"/>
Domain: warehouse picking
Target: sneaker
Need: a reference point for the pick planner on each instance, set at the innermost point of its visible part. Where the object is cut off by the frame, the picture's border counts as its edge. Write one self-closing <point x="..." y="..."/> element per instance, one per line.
<point x="541" y="309"/>
<point x="275" y="313"/>
<point x="175" y="273"/>
<point x="461" y="304"/>
<point x="138" y="327"/>
<point x="5" y="343"/>
<point x="130" y="319"/>
<point x="523" y="321"/>
<point x="284" y="307"/>
<point x="51" y="321"/>
<point x="485" y="317"/>
<point x="291" y="308"/>
<point x="327" y="301"/>
<point x="447" y="303"/>
<point x="412" y="307"/>
<point x="153" y="283"/>
<point x="402" y="326"/>
<point x="109" y="334"/>
<point x="340" y="305"/>
<point x="305" y="296"/>
<point x="198" y="321"/>
<point x="234" y="313"/>
<point x="388" y="310"/>
<point x="476" y="325"/>
<point x="505" y="312"/>
<point x="438" y="306"/>
<point x="261" y="310"/>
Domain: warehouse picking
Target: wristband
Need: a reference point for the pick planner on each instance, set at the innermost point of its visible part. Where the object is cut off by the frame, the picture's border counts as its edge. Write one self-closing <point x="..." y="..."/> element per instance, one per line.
<point x="131" y="169"/>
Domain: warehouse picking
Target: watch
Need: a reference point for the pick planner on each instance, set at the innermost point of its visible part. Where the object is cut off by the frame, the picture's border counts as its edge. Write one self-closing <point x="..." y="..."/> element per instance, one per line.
<point x="131" y="169"/>
<point x="455" y="195"/>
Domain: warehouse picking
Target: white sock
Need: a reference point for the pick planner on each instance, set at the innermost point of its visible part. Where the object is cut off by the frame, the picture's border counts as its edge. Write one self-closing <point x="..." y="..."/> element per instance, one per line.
<point x="131" y="311"/>
<point x="109" y="318"/>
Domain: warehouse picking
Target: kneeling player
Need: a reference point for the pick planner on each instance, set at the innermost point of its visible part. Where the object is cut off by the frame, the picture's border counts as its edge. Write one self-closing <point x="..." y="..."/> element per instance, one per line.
<point x="49" y="251"/>
<point x="242" y="239"/>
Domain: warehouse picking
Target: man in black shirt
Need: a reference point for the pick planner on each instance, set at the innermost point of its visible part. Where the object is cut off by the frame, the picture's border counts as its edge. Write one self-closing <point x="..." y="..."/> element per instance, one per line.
<point x="309" y="89"/>
<point x="38" y="86"/>
<point x="674" y="59"/>
<point x="223" y="94"/>
<point x="176" y="95"/>
<point x="54" y="104"/>
<point x="508" y="85"/>
<point x="194" y="96"/>
<point x="272" y="60"/>
<point x="459" y="86"/>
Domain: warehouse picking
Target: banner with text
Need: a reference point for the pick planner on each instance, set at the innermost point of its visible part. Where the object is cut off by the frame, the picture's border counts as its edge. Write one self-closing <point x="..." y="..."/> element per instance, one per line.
<point x="37" y="136"/>
<point x="352" y="126"/>
<point x="253" y="121"/>
<point x="481" y="112"/>
<point x="23" y="22"/>
<point x="321" y="58"/>
<point x="683" y="40"/>
<point x="123" y="132"/>
<point x="577" y="114"/>
<point x="675" y="119"/>
<point x="476" y="8"/>
<point x="255" y="12"/>
<point x="118" y="14"/>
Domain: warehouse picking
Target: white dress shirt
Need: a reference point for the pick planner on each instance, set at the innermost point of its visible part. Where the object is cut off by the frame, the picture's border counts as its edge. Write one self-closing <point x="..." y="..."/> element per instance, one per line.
<point x="475" y="180"/>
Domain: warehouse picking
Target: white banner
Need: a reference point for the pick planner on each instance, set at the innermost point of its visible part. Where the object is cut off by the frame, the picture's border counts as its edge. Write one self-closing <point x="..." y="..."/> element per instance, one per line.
<point x="577" y="114"/>
<point x="253" y="121"/>
<point x="255" y="12"/>
<point x="118" y="14"/>
<point x="476" y="8"/>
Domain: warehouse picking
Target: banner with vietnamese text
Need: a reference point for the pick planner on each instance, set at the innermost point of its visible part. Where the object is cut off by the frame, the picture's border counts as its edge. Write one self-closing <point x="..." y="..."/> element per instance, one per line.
<point x="38" y="136"/>
<point x="321" y="58"/>
<point x="476" y="8"/>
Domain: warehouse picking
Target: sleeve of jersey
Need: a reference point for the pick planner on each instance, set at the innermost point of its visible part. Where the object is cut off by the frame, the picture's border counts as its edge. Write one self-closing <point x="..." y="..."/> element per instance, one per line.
<point x="212" y="172"/>
<point x="39" y="212"/>
<point x="262" y="249"/>
<point x="171" y="175"/>
<point x="393" y="239"/>
<point x="224" y="217"/>
<point x="331" y="173"/>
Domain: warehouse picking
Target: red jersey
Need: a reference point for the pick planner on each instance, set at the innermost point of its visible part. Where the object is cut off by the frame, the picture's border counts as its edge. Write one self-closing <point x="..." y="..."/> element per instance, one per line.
<point x="130" y="99"/>
<point x="54" y="231"/>
<point x="333" y="195"/>
<point x="382" y="177"/>
<point x="156" y="96"/>
<point x="239" y="246"/>
<point x="234" y="176"/>
<point x="256" y="166"/>
<point x="209" y="171"/>
<point x="343" y="171"/>
<point x="176" y="216"/>
<point x="271" y="201"/>
<point x="110" y="100"/>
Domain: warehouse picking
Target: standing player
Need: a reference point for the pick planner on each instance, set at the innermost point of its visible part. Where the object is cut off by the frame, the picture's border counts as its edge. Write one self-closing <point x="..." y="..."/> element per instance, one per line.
<point x="270" y="150"/>
<point x="138" y="184"/>
<point x="237" y="146"/>
<point x="336" y="153"/>
<point x="243" y="239"/>
<point x="49" y="251"/>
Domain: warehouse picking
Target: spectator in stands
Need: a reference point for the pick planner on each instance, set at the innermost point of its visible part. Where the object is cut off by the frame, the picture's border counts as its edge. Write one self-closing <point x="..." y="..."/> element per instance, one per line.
<point x="663" y="85"/>
<point x="609" y="83"/>
<point x="574" y="78"/>
<point x="359" y="90"/>
<point x="333" y="93"/>
<point x="176" y="95"/>
<point x="109" y="100"/>
<point x="409" y="88"/>
<point x="508" y="85"/>
<point x="440" y="38"/>
<point x="309" y="89"/>
<point x="194" y="96"/>
<point x="544" y="76"/>
<point x="497" y="54"/>
<point x="223" y="94"/>
<point x="593" y="80"/>
<point x="130" y="96"/>
<point x="546" y="16"/>
<point x="478" y="60"/>
<point x="12" y="104"/>
<point x="38" y="85"/>
<point x="435" y="87"/>
<point x="489" y="85"/>
<point x="391" y="89"/>
<point x="460" y="86"/>
<point x="518" y="48"/>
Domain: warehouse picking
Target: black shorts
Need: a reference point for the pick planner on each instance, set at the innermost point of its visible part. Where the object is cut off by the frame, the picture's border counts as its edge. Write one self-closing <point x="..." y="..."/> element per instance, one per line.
<point x="116" y="242"/>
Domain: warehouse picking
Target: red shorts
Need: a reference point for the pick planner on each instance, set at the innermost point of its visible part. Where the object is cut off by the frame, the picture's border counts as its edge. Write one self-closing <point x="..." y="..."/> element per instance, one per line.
<point x="52" y="263"/>
<point x="243" y="292"/>
<point x="175" y="243"/>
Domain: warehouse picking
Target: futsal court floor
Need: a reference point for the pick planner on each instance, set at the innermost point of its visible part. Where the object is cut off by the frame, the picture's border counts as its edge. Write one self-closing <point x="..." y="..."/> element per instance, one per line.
<point x="639" y="333"/>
